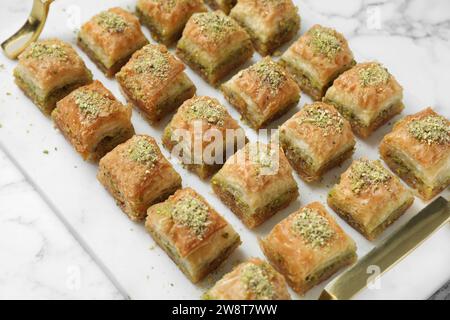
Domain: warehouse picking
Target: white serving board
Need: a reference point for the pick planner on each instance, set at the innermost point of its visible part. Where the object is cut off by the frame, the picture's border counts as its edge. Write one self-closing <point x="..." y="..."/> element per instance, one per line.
<point x="123" y="248"/>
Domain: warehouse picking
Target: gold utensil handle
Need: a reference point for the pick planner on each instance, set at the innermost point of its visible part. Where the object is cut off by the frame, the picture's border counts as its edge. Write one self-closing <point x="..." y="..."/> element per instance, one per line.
<point x="390" y="251"/>
<point x="29" y="32"/>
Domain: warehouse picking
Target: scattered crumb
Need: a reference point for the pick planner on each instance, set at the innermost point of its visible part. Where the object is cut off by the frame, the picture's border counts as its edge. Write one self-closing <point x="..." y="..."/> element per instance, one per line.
<point x="8" y="93"/>
<point x="45" y="152"/>
<point x="75" y="167"/>
<point x="56" y="149"/>
<point x="172" y="285"/>
<point x="2" y="66"/>
<point x="1" y="126"/>
<point x="152" y="247"/>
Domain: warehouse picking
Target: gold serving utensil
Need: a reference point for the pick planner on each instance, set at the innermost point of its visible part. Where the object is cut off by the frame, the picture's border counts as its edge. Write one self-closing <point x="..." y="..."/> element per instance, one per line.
<point x="29" y="32"/>
<point x="390" y="251"/>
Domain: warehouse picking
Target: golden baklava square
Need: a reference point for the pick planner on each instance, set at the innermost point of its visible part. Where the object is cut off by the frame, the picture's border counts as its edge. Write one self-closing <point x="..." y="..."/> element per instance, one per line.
<point x="418" y="151"/>
<point x="269" y="23"/>
<point x="316" y="139"/>
<point x="254" y="279"/>
<point x="192" y="233"/>
<point x="202" y="134"/>
<point x="308" y="247"/>
<point x="367" y="95"/>
<point x="256" y="183"/>
<point x="369" y="197"/>
<point x="224" y="5"/>
<point x="137" y="175"/>
<point x="93" y="120"/>
<point x="213" y="44"/>
<point x="155" y="82"/>
<point x="110" y="38"/>
<point x="317" y="58"/>
<point x="49" y="70"/>
<point x="166" y="18"/>
<point x="262" y="92"/>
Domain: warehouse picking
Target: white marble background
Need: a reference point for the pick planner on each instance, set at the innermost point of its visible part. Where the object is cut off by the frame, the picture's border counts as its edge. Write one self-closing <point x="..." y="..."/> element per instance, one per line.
<point x="39" y="257"/>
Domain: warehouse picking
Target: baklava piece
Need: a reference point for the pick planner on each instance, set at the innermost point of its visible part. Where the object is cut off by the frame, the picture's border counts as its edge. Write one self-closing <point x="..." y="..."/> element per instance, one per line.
<point x="48" y="71"/>
<point x="256" y="183"/>
<point x="317" y="58"/>
<point x="110" y="38"/>
<point x="166" y="18"/>
<point x="137" y="175"/>
<point x="93" y="120"/>
<point x="213" y="44"/>
<point x="251" y="280"/>
<point x="369" y="197"/>
<point x="155" y="82"/>
<point x="202" y="134"/>
<point x="224" y="5"/>
<point x="308" y="247"/>
<point x="262" y="92"/>
<point x="367" y="95"/>
<point x="418" y="150"/>
<point x="270" y="24"/>
<point x="316" y="139"/>
<point x="192" y="233"/>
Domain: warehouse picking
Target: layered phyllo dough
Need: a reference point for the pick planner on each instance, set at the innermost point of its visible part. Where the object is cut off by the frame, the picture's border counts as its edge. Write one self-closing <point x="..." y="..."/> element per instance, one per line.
<point x="418" y="150"/>
<point x="137" y="175"/>
<point x="93" y="120"/>
<point x="367" y="95"/>
<point x="369" y="197"/>
<point x="262" y="92"/>
<point x="155" y="82"/>
<point x="213" y="44"/>
<point x="317" y="58"/>
<point x="166" y="18"/>
<point x="308" y="247"/>
<point x="49" y="70"/>
<point x="254" y="279"/>
<point x="269" y="23"/>
<point x="202" y="134"/>
<point x="110" y="38"/>
<point x="256" y="183"/>
<point x="224" y="5"/>
<point x="316" y="139"/>
<point x="192" y="233"/>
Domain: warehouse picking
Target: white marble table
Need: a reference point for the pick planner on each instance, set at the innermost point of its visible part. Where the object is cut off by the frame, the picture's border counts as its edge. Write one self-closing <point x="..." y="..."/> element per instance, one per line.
<point x="41" y="256"/>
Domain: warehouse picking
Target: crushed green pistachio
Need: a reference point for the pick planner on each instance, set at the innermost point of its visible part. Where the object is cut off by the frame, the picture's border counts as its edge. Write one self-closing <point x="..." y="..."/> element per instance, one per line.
<point x="90" y="102"/>
<point x="207" y="109"/>
<point x="365" y="173"/>
<point x="215" y="25"/>
<point x="324" y="41"/>
<point x="265" y="156"/>
<point x="167" y="4"/>
<point x="192" y="213"/>
<point x="256" y="279"/>
<point x="433" y="129"/>
<point x="111" y="21"/>
<point x="143" y="151"/>
<point x="45" y="152"/>
<point x="41" y="50"/>
<point x="323" y="118"/>
<point x="314" y="228"/>
<point x="270" y="73"/>
<point x="373" y="75"/>
<point x="153" y="61"/>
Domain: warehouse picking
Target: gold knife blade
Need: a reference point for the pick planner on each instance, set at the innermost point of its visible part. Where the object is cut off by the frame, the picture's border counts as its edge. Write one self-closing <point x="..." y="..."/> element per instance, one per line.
<point x="390" y="251"/>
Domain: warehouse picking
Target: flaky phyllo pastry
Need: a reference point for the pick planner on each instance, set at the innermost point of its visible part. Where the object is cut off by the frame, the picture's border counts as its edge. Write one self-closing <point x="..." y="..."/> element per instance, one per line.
<point x="308" y="247"/>
<point x="48" y="70"/>
<point x="369" y="197"/>
<point x="418" y="150"/>
<point x="93" y="120"/>
<point x="137" y="175"/>
<point x="192" y="233"/>
<point x="251" y="280"/>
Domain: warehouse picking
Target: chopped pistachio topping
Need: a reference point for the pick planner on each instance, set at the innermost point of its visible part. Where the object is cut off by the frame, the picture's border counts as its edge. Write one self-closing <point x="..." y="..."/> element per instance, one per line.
<point x="40" y="50"/>
<point x="192" y="213"/>
<point x="433" y="129"/>
<point x="207" y="109"/>
<point x="143" y="151"/>
<point x="166" y="4"/>
<point x="314" y="228"/>
<point x="324" y="41"/>
<point x="90" y="102"/>
<point x="256" y="279"/>
<point x="270" y="73"/>
<point x="215" y="25"/>
<point x="365" y="173"/>
<point x="153" y="61"/>
<point x="112" y="21"/>
<point x="373" y="75"/>
<point x="323" y="118"/>
<point x="265" y="156"/>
